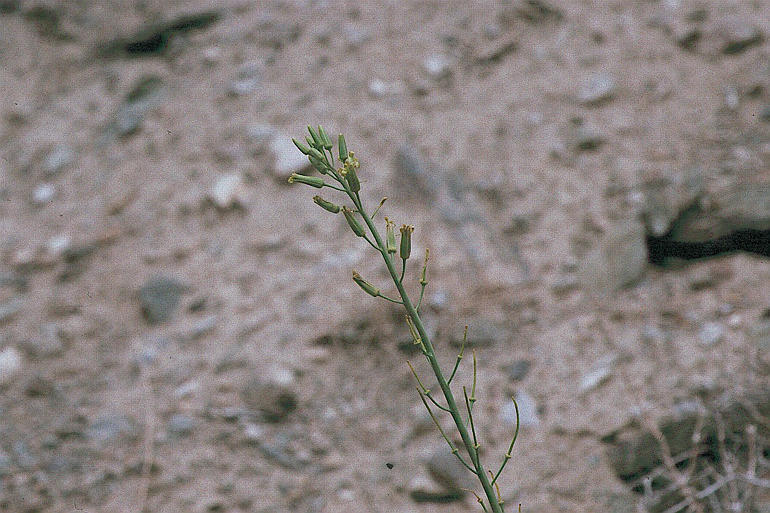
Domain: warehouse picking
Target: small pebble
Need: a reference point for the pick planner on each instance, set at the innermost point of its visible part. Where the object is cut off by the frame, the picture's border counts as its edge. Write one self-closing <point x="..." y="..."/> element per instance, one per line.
<point x="711" y="334"/>
<point x="159" y="297"/>
<point x="58" y="159"/>
<point x="438" y="66"/>
<point x="181" y="424"/>
<point x="226" y="192"/>
<point x="246" y="82"/>
<point x="517" y="370"/>
<point x="598" y="88"/>
<point x="43" y="193"/>
<point x="10" y="364"/>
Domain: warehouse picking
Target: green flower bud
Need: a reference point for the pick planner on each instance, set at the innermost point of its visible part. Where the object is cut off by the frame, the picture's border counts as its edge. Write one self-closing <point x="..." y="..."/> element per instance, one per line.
<point x="313" y="181"/>
<point x="352" y="179"/>
<point x="327" y="142"/>
<point x="368" y="287"/>
<point x="317" y="154"/>
<point x="406" y="240"/>
<point x="317" y="141"/>
<point x="310" y="141"/>
<point x="353" y="222"/>
<point x="342" y="147"/>
<point x="326" y="205"/>
<point x="390" y="236"/>
<point x="301" y="147"/>
<point x="319" y="165"/>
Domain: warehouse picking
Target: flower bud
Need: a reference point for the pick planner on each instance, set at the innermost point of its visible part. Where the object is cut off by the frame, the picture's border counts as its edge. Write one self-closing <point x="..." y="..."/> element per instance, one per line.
<point x="301" y="147"/>
<point x="353" y="222"/>
<point x="318" y="165"/>
<point x="317" y="141"/>
<point x="310" y="141"/>
<point x="368" y="287"/>
<point x="313" y="181"/>
<point x="390" y="236"/>
<point x="317" y="154"/>
<point x="342" y="147"/>
<point x="326" y="205"/>
<point x="406" y="240"/>
<point x="327" y="142"/>
<point x="352" y="177"/>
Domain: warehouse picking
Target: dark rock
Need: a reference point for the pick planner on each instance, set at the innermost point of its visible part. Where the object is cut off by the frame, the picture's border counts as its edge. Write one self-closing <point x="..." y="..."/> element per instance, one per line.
<point x="159" y="298"/>
<point x="444" y="468"/>
<point x="739" y="36"/>
<point x="154" y="39"/>
<point x="273" y="396"/>
<point x="517" y="370"/>
<point x="9" y="309"/>
<point x="144" y="95"/>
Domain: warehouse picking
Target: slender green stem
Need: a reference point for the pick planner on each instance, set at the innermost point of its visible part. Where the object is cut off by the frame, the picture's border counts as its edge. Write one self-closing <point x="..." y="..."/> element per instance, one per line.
<point x="441" y="430"/>
<point x="391" y="299"/>
<point x="403" y="270"/>
<point x="459" y="356"/>
<point x="430" y="355"/>
<point x="473" y="428"/>
<point x="333" y="187"/>
<point x="513" y="441"/>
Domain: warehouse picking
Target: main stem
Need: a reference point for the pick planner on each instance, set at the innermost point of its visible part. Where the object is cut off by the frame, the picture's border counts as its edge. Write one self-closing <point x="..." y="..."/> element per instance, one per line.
<point x="473" y="453"/>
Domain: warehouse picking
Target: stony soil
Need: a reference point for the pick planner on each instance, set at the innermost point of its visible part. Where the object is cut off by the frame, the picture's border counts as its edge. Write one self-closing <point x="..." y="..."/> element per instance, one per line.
<point x="178" y="327"/>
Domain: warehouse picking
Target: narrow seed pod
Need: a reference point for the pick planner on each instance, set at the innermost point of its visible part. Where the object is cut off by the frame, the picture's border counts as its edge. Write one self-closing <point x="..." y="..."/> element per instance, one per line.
<point x="317" y="141"/>
<point x="342" y="147"/>
<point x="365" y="285"/>
<point x="310" y="141"/>
<point x="326" y="205"/>
<point x="313" y="181"/>
<point x="406" y="241"/>
<point x="318" y="165"/>
<point x="301" y="147"/>
<point x="352" y="177"/>
<point x="353" y="222"/>
<point x="317" y="154"/>
<point x="327" y="142"/>
<point x="390" y="236"/>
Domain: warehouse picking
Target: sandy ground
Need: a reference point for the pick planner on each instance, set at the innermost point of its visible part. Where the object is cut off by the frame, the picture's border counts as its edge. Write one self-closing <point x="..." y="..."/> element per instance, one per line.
<point x="536" y="131"/>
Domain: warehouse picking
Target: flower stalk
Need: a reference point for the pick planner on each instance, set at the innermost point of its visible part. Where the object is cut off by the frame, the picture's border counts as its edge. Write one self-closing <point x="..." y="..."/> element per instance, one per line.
<point x="349" y="183"/>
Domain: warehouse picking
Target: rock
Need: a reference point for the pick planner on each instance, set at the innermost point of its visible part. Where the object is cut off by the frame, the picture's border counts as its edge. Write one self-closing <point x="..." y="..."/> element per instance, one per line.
<point x="259" y="136"/>
<point x="271" y="395"/>
<point x="665" y="197"/>
<point x="43" y="193"/>
<point x="48" y="342"/>
<point x="583" y="137"/>
<point x="517" y="370"/>
<point x="597" y="89"/>
<point x="601" y="372"/>
<point x="619" y="261"/>
<point x="423" y="489"/>
<point x="181" y="425"/>
<point x="109" y="427"/>
<point x="145" y="94"/>
<point x="355" y="36"/>
<point x="9" y="309"/>
<point x="446" y="470"/>
<point x="246" y="82"/>
<point x="711" y="333"/>
<point x="739" y="35"/>
<point x="159" y="297"/>
<point x="438" y="66"/>
<point x="59" y="158"/>
<point x="227" y="190"/>
<point x="287" y="158"/>
<point x="10" y="365"/>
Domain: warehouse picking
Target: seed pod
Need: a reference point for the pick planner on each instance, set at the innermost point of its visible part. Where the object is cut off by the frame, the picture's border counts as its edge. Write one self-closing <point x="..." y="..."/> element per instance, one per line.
<point x="353" y="222"/>
<point x="313" y="181"/>
<point x="352" y="177"/>
<point x="317" y="141"/>
<point x="342" y="147"/>
<point x="317" y="154"/>
<point x="390" y="236"/>
<point x="310" y="141"/>
<point x="327" y="142"/>
<point x="301" y="147"/>
<point x="406" y="240"/>
<point x="365" y="285"/>
<point x="318" y="165"/>
<point x="326" y="205"/>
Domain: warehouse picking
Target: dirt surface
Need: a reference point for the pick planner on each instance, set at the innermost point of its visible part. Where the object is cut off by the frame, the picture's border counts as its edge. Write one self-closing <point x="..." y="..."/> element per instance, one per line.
<point x="178" y="326"/>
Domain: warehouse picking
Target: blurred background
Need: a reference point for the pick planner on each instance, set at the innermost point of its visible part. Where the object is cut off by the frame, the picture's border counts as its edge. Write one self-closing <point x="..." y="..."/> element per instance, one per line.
<point x="178" y="326"/>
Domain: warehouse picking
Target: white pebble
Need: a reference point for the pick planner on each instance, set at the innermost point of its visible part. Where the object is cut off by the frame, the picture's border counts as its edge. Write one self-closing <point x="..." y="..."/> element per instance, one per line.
<point x="43" y="193"/>
<point x="10" y="364"/>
